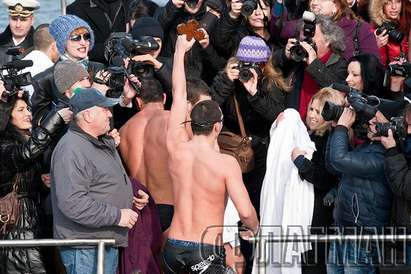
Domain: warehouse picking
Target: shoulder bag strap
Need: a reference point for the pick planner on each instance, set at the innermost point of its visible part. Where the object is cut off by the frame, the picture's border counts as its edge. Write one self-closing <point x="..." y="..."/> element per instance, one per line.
<point x="356" y="39"/>
<point x="239" y="117"/>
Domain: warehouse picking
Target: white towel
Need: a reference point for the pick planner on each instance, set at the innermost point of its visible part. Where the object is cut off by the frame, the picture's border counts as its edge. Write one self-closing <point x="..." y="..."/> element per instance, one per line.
<point x="287" y="202"/>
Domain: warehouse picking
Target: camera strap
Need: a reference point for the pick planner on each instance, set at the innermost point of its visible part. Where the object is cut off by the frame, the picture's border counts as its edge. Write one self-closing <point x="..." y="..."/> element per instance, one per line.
<point x="356" y="39"/>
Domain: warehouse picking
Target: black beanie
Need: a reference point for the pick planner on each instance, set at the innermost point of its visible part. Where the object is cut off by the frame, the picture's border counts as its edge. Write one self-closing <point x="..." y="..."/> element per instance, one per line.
<point x="147" y="26"/>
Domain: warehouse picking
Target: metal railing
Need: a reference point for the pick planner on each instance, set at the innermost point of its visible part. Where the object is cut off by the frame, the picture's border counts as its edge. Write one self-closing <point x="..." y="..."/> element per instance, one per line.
<point x="100" y="243"/>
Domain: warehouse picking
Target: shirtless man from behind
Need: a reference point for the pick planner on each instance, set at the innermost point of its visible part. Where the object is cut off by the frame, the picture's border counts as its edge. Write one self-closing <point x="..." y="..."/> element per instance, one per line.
<point x="143" y="148"/>
<point x="202" y="177"/>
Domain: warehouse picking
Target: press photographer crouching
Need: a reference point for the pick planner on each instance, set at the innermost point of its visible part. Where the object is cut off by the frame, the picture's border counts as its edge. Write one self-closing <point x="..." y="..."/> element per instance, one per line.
<point x="363" y="202"/>
<point x="21" y="146"/>
<point x="315" y="60"/>
<point x="397" y="142"/>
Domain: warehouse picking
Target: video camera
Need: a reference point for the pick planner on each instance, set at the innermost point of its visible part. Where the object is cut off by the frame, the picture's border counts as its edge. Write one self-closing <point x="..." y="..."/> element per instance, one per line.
<point x="297" y="52"/>
<point x="393" y="31"/>
<point x="396" y="124"/>
<point x="13" y="81"/>
<point x="245" y="70"/>
<point x="119" y="46"/>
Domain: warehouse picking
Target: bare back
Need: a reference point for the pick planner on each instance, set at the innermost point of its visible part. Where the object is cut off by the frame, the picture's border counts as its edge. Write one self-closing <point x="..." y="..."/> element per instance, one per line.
<point x="143" y="147"/>
<point x="200" y="192"/>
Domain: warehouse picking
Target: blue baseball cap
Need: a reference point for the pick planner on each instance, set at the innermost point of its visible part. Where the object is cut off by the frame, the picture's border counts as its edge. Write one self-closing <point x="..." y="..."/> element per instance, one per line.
<point x="86" y="98"/>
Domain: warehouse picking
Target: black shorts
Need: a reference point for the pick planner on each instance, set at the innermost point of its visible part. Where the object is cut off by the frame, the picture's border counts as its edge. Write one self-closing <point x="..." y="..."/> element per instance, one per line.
<point x="192" y="257"/>
<point x="166" y="213"/>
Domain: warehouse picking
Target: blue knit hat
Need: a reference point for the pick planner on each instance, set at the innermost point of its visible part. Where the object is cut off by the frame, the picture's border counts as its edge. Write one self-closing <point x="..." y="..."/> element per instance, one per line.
<point x="62" y="26"/>
<point x="253" y="49"/>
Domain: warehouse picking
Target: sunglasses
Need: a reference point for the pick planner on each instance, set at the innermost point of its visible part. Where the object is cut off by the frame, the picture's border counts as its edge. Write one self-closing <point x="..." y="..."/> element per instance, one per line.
<point x="77" y="37"/>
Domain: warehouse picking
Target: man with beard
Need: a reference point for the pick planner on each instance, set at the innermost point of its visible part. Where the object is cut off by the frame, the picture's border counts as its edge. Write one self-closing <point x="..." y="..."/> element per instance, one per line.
<point x="20" y="30"/>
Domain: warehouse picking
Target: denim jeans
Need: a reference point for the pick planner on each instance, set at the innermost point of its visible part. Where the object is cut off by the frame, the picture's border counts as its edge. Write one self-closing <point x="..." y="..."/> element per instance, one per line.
<point x="352" y="257"/>
<point x="84" y="260"/>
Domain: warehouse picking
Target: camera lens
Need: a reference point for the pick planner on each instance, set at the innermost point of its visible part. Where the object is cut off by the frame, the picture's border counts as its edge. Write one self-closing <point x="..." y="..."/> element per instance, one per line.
<point x="248" y="7"/>
<point x="298" y="53"/>
<point x="245" y="74"/>
<point x="331" y="112"/>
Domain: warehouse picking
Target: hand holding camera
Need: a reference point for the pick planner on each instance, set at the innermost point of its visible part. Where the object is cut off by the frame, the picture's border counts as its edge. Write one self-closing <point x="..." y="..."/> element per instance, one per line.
<point x="178" y="3"/>
<point x="382" y="38"/>
<point x="389" y="141"/>
<point x="231" y="70"/>
<point x="347" y="118"/>
<point x="250" y="84"/>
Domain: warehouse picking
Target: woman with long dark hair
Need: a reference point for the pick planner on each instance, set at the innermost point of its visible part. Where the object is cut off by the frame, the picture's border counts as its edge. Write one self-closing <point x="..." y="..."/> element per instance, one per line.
<point x="20" y="149"/>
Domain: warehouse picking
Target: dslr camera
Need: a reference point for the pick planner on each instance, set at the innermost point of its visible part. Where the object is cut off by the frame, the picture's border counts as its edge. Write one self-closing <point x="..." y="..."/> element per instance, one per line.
<point x="297" y="52"/>
<point x="245" y="70"/>
<point x="393" y="31"/>
<point x="361" y="104"/>
<point x="121" y="45"/>
<point x="9" y="74"/>
<point x="397" y="126"/>
<point x="403" y="70"/>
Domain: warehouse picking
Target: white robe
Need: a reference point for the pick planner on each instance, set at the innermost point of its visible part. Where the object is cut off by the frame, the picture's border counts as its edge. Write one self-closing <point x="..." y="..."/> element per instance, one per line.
<point x="287" y="202"/>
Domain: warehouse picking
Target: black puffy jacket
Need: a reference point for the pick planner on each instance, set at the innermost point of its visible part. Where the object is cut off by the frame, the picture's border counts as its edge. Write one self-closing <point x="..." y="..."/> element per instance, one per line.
<point x="20" y="163"/>
<point x="364" y="197"/>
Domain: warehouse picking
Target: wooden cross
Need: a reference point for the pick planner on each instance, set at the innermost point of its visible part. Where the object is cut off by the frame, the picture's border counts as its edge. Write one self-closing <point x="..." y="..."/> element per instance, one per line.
<point x="191" y="29"/>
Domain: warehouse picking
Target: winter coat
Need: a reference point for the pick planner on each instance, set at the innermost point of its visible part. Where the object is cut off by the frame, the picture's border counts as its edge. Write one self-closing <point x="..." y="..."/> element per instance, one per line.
<point x="367" y="42"/>
<point x="391" y="50"/>
<point x="315" y="172"/>
<point x="333" y="71"/>
<point x="201" y="63"/>
<point x="6" y="41"/>
<point x="46" y="95"/>
<point x="229" y="33"/>
<point x="258" y="111"/>
<point x="21" y="157"/>
<point x="104" y="17"/>
<point x="398" y="172"/>
<point x="364" y="197"/>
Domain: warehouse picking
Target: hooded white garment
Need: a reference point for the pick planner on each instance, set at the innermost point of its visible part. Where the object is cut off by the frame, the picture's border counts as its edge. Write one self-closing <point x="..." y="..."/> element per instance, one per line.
<point x="287" y="201"/>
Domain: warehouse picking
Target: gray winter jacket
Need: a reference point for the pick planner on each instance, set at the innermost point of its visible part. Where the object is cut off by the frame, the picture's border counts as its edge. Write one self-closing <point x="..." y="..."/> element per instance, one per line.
<point x="89" y="188"/>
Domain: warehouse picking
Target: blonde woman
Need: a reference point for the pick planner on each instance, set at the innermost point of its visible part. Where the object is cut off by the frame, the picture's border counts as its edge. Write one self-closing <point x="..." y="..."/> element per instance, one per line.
<point x="314" y="171"/>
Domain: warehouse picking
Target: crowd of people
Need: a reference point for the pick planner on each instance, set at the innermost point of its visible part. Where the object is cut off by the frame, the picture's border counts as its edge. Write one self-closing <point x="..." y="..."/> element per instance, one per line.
<point x="113" y="118"/>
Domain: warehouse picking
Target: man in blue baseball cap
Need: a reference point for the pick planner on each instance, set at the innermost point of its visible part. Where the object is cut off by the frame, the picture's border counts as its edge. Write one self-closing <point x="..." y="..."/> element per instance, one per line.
<point x="91" y="193"/>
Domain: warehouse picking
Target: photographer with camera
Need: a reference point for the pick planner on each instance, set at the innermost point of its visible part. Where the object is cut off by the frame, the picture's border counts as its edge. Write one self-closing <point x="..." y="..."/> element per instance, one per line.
<point x="21" y="147"/>
<point x="150" y="64"/>
<point x="358" y="36"/>
<point x="315" y="61"/>
<point x="391" y="32"/>
<point x="245" y="18"/>
<point x="260" y="91"/>
<point x="203" y="61"/>
<point x="363" y="203"/>
<point x="398" y="173"/>
<point x="20" y="30"/>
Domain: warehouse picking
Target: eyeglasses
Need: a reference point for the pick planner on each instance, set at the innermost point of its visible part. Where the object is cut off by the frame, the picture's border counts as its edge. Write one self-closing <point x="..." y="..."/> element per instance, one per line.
<point x="78" y="37"/>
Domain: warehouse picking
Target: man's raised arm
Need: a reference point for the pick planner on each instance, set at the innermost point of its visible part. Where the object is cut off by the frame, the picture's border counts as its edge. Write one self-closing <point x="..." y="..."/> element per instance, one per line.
<point x="176" y="131"/>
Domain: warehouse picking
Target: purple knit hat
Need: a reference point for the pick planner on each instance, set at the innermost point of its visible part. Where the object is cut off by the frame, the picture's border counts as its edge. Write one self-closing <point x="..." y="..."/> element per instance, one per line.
<point x="253" y="49"/>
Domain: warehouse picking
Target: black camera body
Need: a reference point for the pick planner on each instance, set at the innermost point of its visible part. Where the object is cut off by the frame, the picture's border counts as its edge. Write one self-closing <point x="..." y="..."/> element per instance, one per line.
<point x="297" y="52"/>
<point x="397" y="126"/>
<point x="13" y="80"/>
<point x="248" y="7"/>
<point x="245" y="70"/>
<point x="121" y="45"/>
<point x="403" y="70"/>
<point x="393" y="31"/>
<point x="360" y="104"/>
